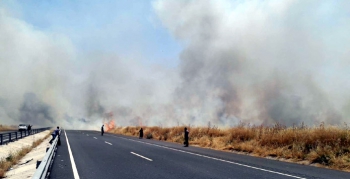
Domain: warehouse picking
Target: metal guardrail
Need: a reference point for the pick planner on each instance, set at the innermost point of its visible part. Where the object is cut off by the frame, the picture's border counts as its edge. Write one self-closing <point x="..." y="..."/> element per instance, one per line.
<point x="12" y="136"/>
<point x="44" y="169"/>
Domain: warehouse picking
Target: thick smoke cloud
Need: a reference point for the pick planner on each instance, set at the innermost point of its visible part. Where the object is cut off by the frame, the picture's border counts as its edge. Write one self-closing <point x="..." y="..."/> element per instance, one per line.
<point x="32" y="72"/>
<point x="258" y="62"/>
<point x="261" y="61"/>
<point x="34" y="111"/>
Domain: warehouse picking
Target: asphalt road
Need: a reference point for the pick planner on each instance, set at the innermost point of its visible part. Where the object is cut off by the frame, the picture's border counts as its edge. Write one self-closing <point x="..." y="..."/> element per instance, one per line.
<point x="117" y="156"/>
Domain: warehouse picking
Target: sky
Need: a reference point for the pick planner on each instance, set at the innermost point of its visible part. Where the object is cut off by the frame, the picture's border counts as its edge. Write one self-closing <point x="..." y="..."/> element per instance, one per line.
<point x="107" y="26"/>
<point x="82" y="63"/>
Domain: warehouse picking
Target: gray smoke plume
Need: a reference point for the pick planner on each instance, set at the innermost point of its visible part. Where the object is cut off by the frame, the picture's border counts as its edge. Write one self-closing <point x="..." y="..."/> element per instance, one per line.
<point x="261" y="61"/>
<point x="93" y="105"/>
<point x="258" y="62"/>
<point x="33" y="73"/>
<point x="34" y="111"/>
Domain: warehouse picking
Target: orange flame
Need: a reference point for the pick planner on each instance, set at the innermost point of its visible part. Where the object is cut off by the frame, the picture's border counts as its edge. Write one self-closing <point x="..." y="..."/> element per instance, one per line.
<point x="110" y="124"/>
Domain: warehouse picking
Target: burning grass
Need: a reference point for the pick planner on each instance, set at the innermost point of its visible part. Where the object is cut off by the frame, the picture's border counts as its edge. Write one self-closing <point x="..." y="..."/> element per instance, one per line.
<point x="323" y="146"/>
<point x="14" y="158"/>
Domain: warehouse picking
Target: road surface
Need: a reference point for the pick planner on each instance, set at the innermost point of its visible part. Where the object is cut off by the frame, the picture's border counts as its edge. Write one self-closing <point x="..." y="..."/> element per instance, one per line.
<point x="116" y="156"/>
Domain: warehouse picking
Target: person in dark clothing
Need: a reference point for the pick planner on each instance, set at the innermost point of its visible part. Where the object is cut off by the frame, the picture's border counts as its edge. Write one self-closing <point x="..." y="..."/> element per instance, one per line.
<point x="141" y="133"/>
<point x="102" y="130"/>
<point x="55" y="133"/>
<point x="29" y="128"/>
<point x="186" y="137"/>
<point x="58" y="134"/>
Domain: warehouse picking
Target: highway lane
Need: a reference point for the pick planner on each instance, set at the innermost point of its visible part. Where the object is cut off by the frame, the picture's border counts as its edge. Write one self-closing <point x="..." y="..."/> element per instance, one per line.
<point x="112" y="156"/>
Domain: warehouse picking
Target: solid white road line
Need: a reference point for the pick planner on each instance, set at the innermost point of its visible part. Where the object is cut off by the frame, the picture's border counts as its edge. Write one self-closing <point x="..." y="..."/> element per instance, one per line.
<point x="235" y="163"/>
<point x="95" y="137"/>
<point x="108" y="143"/>
<point x="74" y="167"/>
<point x="141" y="156"/>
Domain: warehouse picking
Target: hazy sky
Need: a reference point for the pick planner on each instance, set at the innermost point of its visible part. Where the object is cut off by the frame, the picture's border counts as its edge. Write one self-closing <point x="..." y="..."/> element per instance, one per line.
<point x="174" y="62"/>
<point x="121" y="26"/>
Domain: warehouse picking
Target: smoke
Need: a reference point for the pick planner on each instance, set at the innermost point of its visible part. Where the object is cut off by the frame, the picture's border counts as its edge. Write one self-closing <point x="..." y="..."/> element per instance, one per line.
<point x="259" y="62"/>
<point x="32" y="72"/>
<point x="34" y="111"/>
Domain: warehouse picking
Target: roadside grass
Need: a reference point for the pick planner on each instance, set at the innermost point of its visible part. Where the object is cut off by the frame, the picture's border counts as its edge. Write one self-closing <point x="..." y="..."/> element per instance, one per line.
<point x="13" y="158"/>
<point x="326" y="146"/>
<point x="7" y="128"/>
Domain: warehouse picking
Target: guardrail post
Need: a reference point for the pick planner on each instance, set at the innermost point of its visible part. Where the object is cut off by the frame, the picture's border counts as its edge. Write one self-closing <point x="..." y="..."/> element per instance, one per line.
<point x="10" y="137"/>
<point x="16" y="135"/>
<point x="1" y="139"/>
<point x="21" y="135"/>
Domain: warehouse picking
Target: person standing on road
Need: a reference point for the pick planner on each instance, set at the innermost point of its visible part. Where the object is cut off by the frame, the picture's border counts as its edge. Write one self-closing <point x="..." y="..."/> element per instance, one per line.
<point x="29" y="129"/>
<point x="102" y="130"/>
<point x="141" y="133"/>
<point x="186" y="137"/>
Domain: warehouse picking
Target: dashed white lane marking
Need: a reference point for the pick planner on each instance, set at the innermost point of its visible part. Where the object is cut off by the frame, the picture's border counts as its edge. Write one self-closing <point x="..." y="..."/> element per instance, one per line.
<point x="141" y="156"/>
<point x="74" y="167"/>
<point x="235" y="163"/>
<point x="108" y="143"/>
<point x="87" y="134"/>
<point x="95" y="137"/>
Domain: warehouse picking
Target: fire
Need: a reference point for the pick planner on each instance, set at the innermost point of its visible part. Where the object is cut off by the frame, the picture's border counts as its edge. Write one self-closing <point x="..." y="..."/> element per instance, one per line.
<point x="110" y="124"/>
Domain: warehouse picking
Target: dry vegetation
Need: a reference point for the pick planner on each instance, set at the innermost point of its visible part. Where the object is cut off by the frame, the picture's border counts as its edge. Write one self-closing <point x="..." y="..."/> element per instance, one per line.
<point x="14" y="158"/>
<point x="325" y="146"/>
<point x="7" y="128"/>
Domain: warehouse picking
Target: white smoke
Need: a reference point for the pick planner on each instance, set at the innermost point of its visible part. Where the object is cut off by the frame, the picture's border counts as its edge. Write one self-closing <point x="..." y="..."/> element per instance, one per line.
<point x="262" y="61"/>
<point x="253" y="61"/>
<point x="33" y="68"/>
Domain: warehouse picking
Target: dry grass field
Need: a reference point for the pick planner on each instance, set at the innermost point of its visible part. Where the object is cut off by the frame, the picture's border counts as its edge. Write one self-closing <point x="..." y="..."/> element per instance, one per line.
<point x="326" y="146"/>
<point x="7" y="128"/>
